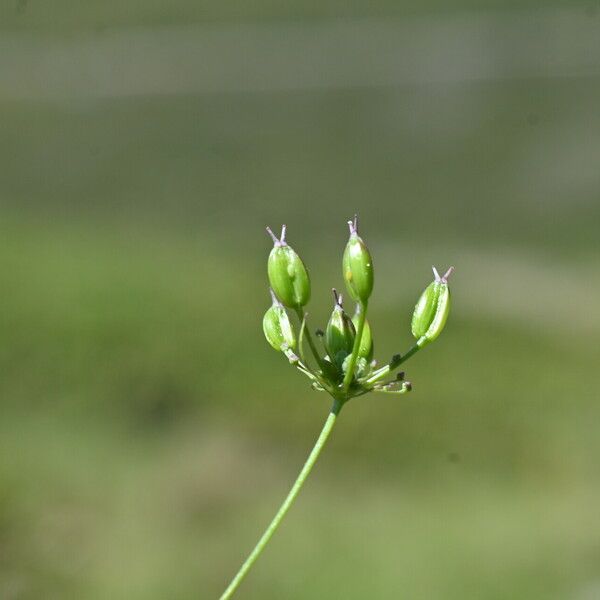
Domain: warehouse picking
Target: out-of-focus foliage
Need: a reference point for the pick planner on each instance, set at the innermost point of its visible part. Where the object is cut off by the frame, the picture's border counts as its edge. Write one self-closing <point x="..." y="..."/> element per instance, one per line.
<point x="147" y="430"/>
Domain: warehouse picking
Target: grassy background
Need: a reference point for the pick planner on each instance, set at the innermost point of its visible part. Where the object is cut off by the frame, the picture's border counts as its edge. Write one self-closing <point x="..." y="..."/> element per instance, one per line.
<point x="148" y="432"/>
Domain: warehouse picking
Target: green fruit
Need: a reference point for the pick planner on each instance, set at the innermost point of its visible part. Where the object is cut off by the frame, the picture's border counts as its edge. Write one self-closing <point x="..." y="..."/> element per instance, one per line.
<point x="357" y="267"/>
<point x="287" y="274"/>
<point x="278" y="329"/>
<point x="339" y="334"/>
<point x="431" y="311"/>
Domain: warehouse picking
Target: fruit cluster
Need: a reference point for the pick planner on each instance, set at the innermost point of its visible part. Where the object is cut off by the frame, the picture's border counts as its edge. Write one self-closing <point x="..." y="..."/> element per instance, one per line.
<point x="346" y="367"/>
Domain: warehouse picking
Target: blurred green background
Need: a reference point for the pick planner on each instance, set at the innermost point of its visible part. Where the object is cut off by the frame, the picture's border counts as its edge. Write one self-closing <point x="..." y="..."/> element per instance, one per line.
<point x="147" y="430"/>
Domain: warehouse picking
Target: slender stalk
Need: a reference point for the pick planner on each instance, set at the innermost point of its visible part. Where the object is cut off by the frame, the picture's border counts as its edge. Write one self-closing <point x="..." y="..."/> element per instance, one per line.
<point x="387" y="369"/>
<point x="362" y="315"/>
<point x="313" y="348"/>
<point x="287" y="503"/>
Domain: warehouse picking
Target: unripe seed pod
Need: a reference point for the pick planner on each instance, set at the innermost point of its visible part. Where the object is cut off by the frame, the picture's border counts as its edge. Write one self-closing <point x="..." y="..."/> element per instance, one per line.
<point x="278" y="328"/>
<point x="425" y="310"/>
<point x="431" y="311"/>
<point x="357" y="266"/>
<point x="365" y="350"/>
<point x="339" y="334"/>
<point x="287" y="274"/>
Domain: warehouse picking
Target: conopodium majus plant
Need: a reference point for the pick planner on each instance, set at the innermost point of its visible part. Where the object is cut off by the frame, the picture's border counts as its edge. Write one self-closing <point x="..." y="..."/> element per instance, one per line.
<point x="345" y="369"/>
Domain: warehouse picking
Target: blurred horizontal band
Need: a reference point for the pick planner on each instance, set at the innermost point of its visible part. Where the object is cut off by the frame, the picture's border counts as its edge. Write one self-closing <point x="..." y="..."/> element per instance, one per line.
<point x="323" y="55"/>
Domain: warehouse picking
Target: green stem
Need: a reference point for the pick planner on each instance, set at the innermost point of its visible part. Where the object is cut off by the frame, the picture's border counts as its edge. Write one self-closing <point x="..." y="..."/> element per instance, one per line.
<point x="362" y="315"/>
<point x="394" y="364"/>
<point x="313" y="348"/>
<point x="287" y="503"/>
